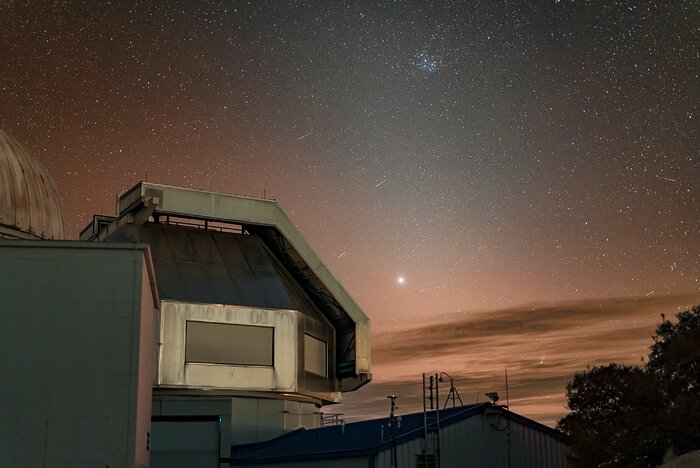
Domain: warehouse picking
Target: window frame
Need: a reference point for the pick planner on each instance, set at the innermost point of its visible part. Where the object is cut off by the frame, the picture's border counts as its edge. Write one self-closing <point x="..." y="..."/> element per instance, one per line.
<point x="325" y="356"/>
<point x="232" y="361"/>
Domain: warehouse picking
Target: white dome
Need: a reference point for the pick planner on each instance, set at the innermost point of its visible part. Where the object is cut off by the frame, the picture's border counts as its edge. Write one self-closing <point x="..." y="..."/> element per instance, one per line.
<point x="29" y="204"/>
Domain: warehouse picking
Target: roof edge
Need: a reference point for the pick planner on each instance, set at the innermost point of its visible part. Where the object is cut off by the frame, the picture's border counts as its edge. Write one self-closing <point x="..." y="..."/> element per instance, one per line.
<point x="147" y="198"/>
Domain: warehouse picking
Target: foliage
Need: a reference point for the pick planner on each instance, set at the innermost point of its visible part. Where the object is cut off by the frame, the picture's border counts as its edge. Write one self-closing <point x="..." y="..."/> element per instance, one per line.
<point x="612" y="419"/>
<point x="628" y="416"/>
<point x="675" y="361"/>
<point x="675" y="354"/>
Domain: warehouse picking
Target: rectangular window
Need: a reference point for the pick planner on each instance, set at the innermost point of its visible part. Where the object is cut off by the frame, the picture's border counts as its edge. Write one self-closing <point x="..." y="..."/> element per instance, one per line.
<point x="223" y="343"/>
<point x="315" y="356"/>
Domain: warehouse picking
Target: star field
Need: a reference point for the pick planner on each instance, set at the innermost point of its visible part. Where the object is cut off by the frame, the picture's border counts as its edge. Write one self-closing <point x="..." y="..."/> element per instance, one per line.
<point x="493" y="154"/>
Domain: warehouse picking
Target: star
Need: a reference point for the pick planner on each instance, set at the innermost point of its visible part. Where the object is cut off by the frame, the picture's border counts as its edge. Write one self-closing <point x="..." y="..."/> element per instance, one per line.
<point x="472" y="147"/>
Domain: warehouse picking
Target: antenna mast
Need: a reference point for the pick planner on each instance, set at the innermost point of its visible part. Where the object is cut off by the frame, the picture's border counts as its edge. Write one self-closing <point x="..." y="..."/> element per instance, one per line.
<point x="507" y="394"/>
<point x="392" y="430"/>
<point x="431" y="421"/>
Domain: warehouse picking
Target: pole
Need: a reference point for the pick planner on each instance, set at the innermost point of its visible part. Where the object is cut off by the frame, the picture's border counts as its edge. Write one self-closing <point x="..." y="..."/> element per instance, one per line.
<point x="507" y="395"/>
<point x="437" y="411"/>
<point x="425" y="421"/>
<point x="392" y="424"/>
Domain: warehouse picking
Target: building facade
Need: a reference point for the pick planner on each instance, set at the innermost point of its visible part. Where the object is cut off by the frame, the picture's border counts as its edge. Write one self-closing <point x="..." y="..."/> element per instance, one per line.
<point x="198" y="329"/>
<point x="185" y="323"/>
<point x="78" y="334"/>
<point x="255" y="335"/>
<point x="480" y="436"/>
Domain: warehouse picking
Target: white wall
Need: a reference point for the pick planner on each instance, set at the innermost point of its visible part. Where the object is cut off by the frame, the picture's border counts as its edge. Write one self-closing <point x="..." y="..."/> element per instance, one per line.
<point x="175" y="372"/>
<point x="77" y="341"/>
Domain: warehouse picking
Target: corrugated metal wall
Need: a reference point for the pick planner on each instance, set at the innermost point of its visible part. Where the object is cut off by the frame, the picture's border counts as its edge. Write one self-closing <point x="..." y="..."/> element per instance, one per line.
<point x="493" y="440"/>
<point x="486" y="440"/>
<point x="482" y="441"/>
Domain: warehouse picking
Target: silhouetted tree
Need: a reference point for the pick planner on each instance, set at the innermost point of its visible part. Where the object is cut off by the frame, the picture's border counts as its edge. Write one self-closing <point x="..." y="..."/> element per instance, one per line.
<point x="675" y="361"/>
<point x="630" y="416"/>
<point x="613" y="419"/>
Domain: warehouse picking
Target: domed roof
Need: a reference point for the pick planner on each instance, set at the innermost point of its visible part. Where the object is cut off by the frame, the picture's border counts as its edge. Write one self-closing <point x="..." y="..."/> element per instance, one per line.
<point x="29" y="204"/>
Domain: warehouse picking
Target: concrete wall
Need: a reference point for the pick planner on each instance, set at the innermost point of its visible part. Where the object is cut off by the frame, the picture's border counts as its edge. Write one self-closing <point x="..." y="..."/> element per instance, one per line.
<point x="77" y="339"/>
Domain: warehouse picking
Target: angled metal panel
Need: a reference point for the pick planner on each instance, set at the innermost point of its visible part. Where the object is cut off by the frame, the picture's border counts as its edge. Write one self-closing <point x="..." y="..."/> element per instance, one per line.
<point x="222" y="268"/>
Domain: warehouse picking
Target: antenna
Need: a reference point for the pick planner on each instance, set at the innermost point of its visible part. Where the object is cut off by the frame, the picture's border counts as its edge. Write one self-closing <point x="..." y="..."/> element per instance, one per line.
<point x="453" y="393"/>
<point x="393" y="406"/>
<point x="392" y="424"/>
<point x="507" y="395"/>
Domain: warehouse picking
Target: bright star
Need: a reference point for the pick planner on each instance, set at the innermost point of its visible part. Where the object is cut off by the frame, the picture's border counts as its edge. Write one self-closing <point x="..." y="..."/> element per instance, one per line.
<point x="401" y="280"/>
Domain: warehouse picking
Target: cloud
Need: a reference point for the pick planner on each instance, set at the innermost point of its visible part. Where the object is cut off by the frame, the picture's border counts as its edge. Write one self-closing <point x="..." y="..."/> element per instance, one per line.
<point x="529" y="322"/>
<point x="541" y="346"/>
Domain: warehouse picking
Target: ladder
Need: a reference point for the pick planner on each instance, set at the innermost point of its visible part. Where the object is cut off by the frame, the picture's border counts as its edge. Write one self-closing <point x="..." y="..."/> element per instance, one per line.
<point x="430" y="458"/>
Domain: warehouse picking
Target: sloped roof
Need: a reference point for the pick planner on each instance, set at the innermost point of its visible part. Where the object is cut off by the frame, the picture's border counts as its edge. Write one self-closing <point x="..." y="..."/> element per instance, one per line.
<point x="197" y="265"/>
<point x="365" y="438"/>
<point x="359" y="438"/>
<point x="352" y="439"/>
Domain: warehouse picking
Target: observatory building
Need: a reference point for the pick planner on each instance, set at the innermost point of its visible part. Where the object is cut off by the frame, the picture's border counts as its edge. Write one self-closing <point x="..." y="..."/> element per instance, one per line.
<point x="254" y="331"/>
<point x="29" y="204"/>
<point x="187" y="322"/>
<point x="198" y="329"/>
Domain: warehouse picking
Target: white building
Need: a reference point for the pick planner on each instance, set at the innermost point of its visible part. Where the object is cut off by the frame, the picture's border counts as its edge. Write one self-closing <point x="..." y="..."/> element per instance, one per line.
<point x="186" y="323"/>
<point x="480" y="436"/>
<point x="197" y="329"/>
<point x="255" y="334"/>
<point x="78" y="334"/>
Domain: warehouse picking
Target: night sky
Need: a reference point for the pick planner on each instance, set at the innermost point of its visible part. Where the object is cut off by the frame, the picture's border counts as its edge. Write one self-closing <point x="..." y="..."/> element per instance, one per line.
<point x="499" y="184"/>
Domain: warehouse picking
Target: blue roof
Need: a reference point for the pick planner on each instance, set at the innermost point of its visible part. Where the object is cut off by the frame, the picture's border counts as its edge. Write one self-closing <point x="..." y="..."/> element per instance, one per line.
<point x="352" y="439"/>
<point x="359" y="438"/>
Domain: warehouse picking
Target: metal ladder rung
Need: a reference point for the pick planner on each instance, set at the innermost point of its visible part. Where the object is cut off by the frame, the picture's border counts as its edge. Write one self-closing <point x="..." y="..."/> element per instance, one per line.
<point x="431" y="420"/>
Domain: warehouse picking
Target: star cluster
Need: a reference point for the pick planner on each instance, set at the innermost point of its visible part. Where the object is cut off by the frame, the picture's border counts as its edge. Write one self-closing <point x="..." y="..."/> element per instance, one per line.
<point x="426" y="64"/>
<point x="495" y="153"/>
